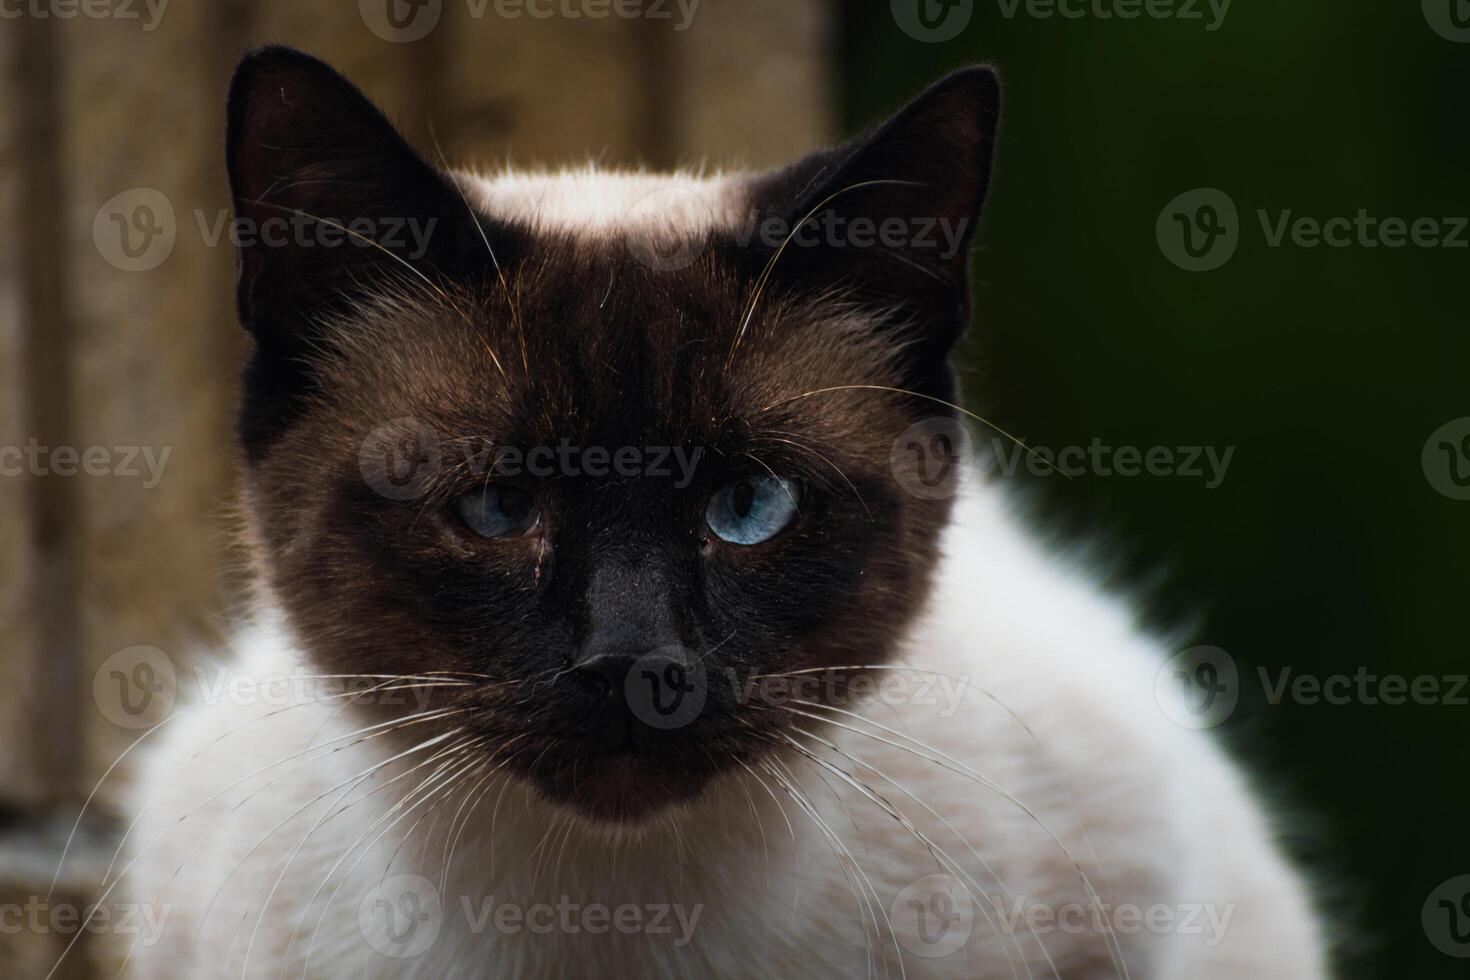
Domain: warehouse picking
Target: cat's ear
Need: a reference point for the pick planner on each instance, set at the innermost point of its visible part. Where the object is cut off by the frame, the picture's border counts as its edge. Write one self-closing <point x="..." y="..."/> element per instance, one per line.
<point x="889" y="217"/>
<point x="329" y="197"/>
<point x="331" y="202"/>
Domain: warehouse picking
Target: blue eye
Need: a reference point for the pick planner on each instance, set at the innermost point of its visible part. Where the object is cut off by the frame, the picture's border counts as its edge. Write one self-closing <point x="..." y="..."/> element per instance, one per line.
<point x="753" y="510"/>
<point x="498" y="511"/>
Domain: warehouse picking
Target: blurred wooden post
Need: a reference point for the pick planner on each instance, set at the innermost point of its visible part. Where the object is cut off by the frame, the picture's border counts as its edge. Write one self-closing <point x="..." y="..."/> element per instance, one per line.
<point x="117" y="332"/>
<point x="33" y="388"/>
<point x="144" y="198"/>
<point x="737" y="84"/>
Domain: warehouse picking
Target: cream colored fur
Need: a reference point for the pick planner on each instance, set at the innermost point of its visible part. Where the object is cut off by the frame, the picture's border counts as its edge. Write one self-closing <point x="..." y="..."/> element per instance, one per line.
<point x="1055" y="751"/>
<point x="1153" y="813"/>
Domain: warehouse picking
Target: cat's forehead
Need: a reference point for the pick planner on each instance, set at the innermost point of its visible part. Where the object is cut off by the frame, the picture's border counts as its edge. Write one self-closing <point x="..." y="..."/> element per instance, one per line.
<point x="590" y="203"/>
<point x="627" y="312"/>
<point x="583" y="343"/>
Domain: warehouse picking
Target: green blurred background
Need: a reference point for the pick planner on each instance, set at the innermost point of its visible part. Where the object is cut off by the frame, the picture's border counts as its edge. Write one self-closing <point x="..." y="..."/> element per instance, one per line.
<point x="1325" y="549"/>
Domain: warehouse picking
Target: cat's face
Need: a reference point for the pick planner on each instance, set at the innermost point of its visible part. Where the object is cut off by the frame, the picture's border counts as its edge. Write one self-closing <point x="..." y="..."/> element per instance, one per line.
<point x="612" y="476"/>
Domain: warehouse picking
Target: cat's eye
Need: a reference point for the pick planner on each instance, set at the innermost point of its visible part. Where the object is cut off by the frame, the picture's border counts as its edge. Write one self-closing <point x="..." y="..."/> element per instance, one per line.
<point x="498" y="511"/>
<point x="753" y="509"/>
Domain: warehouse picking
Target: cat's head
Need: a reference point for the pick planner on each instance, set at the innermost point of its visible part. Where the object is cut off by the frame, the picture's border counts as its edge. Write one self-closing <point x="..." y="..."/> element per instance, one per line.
<point x="606" y="448"/>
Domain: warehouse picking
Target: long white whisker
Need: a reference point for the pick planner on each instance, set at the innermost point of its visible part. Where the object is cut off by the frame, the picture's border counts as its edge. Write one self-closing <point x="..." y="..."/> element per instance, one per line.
<point x="954" y="765"/>
<point x="941" y="857"/>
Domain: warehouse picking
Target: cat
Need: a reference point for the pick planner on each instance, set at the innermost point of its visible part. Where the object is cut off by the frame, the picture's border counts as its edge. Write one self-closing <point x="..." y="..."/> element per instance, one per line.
<point x="627" y="606"/>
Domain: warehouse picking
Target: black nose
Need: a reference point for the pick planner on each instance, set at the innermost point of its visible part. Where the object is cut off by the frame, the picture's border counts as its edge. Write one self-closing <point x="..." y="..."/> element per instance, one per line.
<point x="606" y="674"/>
<point x="663" y="688"/>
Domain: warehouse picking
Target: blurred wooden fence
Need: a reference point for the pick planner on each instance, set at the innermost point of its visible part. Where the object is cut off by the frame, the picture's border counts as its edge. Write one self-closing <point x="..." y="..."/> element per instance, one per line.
<point x="109" y="352"/>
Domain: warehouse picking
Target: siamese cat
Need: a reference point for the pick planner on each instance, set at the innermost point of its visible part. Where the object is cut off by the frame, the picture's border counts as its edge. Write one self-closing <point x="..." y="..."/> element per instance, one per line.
<point x="627" y="606"/>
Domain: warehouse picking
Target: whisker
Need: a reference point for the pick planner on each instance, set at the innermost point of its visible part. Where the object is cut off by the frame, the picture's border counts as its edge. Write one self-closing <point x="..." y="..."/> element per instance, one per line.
<point x="428" y="788"/>
<point x="941" y="856"/>
<point x="499" y="272"/>
<point x="96" y="787"/>
<point x="451" y="838"/>
<point x="948" y="762"/>
<point x="857" y="879"/>
<point x="760" y="284"/>
<point x="775" y="434"/>
<point x="136" y="858"/>
<point x="352" y="783"/>
<point x="411" y="719"/>
<point x="929" y="398"/>
<point x="396" y="258"/>
<point x="795" y="847"/>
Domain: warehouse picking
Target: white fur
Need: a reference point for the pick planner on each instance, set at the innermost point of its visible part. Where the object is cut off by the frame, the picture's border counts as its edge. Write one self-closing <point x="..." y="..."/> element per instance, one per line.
<point x="1154" y="813"/>
<point x="591" y="202"/>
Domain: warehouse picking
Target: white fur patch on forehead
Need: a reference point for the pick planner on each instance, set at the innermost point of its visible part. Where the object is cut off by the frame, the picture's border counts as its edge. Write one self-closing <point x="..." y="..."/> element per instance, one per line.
<point x="596" y="203"/>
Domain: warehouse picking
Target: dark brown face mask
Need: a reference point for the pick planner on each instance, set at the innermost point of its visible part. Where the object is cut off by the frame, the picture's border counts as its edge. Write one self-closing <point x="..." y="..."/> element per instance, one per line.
<point x="610" y="490"/>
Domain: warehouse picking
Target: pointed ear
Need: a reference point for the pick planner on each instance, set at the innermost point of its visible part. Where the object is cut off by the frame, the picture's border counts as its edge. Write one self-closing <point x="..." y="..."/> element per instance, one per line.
<point x="890" y="216"/>
<point x="328" y="196"/>
<point x="330" y="202"/>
